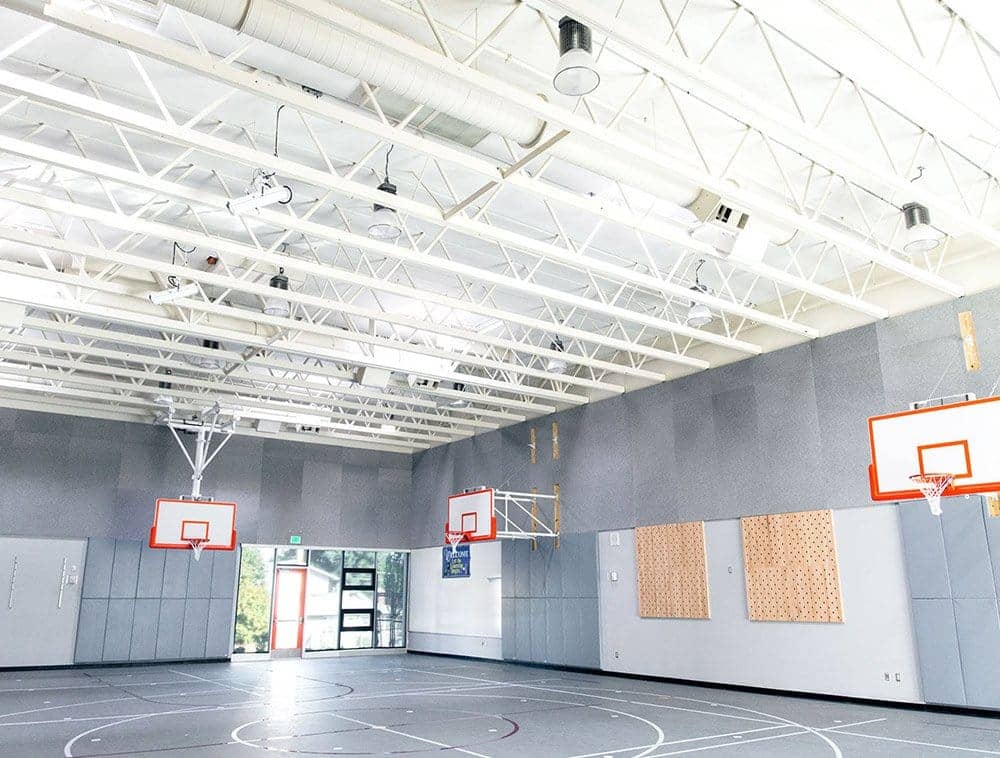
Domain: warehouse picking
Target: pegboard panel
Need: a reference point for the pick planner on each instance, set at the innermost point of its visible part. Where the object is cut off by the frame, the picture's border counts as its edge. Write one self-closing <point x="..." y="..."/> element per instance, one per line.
<point x="672" y="571"/>
<point x="790" y="562"/>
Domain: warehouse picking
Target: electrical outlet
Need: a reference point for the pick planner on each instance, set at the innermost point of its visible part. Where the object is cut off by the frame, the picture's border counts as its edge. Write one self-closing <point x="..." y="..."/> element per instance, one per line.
<point x="887" y="677"/>
<point x="617" y="655"/>
<point x="899" y="677"/>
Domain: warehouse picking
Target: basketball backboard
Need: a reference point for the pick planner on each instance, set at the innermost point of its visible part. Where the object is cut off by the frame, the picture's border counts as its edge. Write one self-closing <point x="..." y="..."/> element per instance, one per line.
<point x="961" y="439"/>
<point x="202" y="524"/>
<point x="471" y="513"/>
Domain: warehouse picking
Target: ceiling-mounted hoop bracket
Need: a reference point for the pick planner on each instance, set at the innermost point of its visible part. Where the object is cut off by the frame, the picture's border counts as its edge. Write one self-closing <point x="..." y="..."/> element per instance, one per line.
<point x="204" y="430"/>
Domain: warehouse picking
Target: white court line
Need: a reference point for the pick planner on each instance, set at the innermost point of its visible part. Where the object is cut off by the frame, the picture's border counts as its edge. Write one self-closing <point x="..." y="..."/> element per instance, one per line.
<point x="981" y="751"/>
<point x="235" y="736"/>
<point x="64" y="705"/>
<point x="217" y="684"/>
<point x="624" y="700"/>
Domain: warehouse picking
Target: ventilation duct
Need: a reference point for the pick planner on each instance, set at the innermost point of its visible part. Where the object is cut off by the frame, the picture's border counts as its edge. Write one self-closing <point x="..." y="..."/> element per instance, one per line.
<point x="319" y="42"/>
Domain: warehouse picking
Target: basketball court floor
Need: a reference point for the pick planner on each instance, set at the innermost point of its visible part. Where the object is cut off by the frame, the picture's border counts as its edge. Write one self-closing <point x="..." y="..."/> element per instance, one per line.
<point x="413" y="704"/>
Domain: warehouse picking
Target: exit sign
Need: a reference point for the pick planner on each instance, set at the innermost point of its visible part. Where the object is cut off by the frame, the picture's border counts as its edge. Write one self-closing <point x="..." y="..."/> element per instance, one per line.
<point x="295" y="539"/>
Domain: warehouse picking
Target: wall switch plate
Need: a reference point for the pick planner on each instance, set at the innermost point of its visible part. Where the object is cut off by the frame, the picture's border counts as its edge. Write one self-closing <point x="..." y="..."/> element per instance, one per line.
<point x="614" y="539"/>
<point x="613" y="576"/>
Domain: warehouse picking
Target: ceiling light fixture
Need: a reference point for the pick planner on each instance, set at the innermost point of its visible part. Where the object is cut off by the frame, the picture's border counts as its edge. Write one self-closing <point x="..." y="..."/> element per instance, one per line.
<point x="278" y="306"/>
<point x="209" y="362"/>
<point x="576" y="73"/>
<point x="921" y="237"/>
<point x="698" y="314"/>
<point x="173" y="293"/>
<point x="557" y="365"/>
<point x="163" y="397"/>
<point x="459" y="402"/>
<point x="262" y="190"/>
<point x="384" y="225"/>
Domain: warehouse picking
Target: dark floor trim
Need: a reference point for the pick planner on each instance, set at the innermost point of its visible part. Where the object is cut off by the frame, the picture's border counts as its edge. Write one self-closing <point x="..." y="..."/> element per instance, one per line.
<point x="113" y="664"/>
<point x="962" y="710"/>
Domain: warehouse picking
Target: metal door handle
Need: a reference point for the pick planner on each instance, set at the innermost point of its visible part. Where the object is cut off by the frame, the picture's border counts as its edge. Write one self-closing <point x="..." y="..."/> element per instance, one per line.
<point x="62" y="581"/>
<point x="13" y="578"/>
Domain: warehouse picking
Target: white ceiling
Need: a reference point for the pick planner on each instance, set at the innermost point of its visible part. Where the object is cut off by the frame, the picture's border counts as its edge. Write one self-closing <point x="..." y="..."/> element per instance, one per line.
<point x="125" y="126"/>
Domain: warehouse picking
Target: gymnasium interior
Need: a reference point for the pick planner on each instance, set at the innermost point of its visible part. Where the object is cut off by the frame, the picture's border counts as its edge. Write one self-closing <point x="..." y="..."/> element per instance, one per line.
<point x="500" y="378"/>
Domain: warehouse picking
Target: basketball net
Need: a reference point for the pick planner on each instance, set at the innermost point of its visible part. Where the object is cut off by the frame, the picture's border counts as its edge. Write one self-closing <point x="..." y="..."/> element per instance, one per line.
<point x="932" y="485"/>
<point x="197" y="545"/>
<point x="453" y="539"/>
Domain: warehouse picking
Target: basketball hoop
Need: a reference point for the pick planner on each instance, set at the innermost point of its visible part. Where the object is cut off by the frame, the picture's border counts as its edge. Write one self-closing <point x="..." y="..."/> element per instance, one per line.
<point x="932" y="486"/>
<point x="197" y="545"/>
<point x="454" y="538"/>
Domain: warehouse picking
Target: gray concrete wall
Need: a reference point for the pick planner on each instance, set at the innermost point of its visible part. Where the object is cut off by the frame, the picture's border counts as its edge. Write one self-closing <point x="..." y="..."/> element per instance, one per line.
<point x="72" y="477"/>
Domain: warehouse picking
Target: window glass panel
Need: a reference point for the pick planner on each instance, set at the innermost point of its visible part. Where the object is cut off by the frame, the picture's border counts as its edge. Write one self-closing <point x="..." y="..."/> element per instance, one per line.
<point x="390" y="616"/>
<point x="359" y="559"/>
<point x="286" y="635"/>
<point x="359" y="620"/>
<point x="253" y="600"/>
<point x="359" y="579"/>
<point x="323" y="587"/>
<point x="321" y="632"/>
<point x="358" y="600"/>
<point x="355" y="640"/>
<point x="295" y="556"/>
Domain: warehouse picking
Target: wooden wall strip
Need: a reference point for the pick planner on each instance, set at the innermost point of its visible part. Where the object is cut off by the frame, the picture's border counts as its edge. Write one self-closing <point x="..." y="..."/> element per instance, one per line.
<point x="672" y="571"/>
<point x="790" y="563"/>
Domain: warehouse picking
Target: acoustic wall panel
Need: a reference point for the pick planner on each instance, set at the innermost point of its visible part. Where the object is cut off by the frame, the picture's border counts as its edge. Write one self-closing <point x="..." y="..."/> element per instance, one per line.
<point x="790" y="563"/>
<point x="672" y="571"/>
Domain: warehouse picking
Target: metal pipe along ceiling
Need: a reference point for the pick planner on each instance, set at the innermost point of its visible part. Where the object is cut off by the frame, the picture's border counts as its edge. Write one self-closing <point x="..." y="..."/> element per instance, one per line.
<point x="309" y="37"/>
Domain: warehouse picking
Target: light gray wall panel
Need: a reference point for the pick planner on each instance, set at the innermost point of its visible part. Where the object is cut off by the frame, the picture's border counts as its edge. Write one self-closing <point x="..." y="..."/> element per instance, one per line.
<point x="175" y="572"/>
<point x="145" y="621"/>
<point x="993" y="539"/>
<point x="100" y="562"/>
<point x="170" y="629"/>
<point x="522" y="647"/>
<point x="555" y="620"/>
<point x="979" y="642"/>
<point x="219" y="642"/>
<point x="937" y="642"/>
<point x="224" y="569"/>
<point x="923" y="543"/>
<point x="195" y="630"/>
<point x="118" y="634"/>
<point x="199" y="579"/>
<point x="590" y="642"/>
<point x="150" y="584"/>
<point x="125" y="574"/>
<point x="572" y="633"/>
<point x="90" y="630"/>
<point x="965" y="545"/>
<point x="537" y="619"/>
<point x="508" y="627"/>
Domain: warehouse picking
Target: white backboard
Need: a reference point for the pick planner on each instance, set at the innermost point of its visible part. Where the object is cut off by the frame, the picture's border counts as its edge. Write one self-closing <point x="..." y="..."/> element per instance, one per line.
<point x="472" y="512"/>
<point x="176" y="521"/>
<point x="961" y="439"/>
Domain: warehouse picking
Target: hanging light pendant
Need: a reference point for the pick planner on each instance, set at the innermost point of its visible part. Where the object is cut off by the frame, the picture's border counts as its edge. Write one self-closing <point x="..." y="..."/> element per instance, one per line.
<point x="698" y="314"/>
<point x="278" y="306"/>
<point x="921" y="237"/>
<point x="576" y="73"/>
<point x="384" y="224"/>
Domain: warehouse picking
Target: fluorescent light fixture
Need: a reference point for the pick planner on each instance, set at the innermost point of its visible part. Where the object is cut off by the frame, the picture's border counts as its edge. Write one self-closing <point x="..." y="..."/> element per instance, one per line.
<point x="576" y="74"/>
<point x="384" y="225"/>
<point x="172" y="294"/>
<point x="921" y="237"/>
<point x="388" y="428"/>
<point x="163" y="396"/>
<point x="261" y="192"/>
<point x="278" y="306"/>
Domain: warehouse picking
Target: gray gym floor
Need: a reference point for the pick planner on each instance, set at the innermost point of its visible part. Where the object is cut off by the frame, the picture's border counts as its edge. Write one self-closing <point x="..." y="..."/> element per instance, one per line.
<point x="412" y="704"/>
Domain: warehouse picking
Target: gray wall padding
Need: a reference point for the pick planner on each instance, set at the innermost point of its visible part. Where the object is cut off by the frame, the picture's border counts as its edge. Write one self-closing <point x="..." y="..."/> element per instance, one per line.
<point x="550" y="605"/>
<point x="156" y="604"/>
<point x="950" y="562"/>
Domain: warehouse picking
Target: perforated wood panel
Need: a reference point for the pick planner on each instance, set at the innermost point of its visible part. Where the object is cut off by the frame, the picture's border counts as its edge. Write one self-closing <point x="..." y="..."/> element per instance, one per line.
<point x="790" y="561"/>
<point x="672" y="571"/>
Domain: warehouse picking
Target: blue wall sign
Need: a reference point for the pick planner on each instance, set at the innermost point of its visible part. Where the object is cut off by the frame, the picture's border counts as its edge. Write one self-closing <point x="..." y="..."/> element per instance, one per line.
<point x="456" y="565"/>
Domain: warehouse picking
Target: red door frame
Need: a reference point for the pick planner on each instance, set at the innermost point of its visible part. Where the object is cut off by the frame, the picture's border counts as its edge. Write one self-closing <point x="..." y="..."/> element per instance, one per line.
<point x="302" y="607"/>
